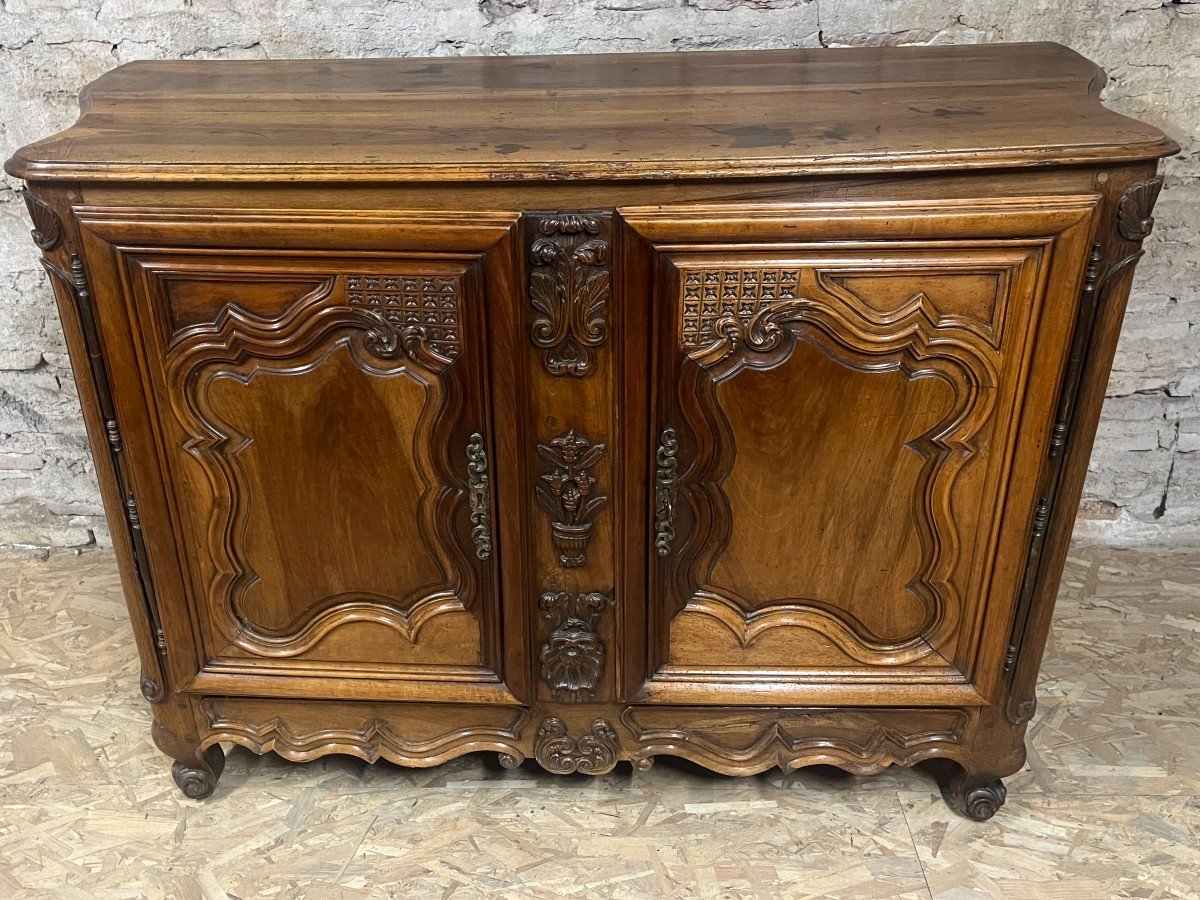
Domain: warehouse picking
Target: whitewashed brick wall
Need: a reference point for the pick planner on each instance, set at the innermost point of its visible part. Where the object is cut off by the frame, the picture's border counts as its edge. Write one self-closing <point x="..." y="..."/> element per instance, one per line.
<point x="1145" y="478"/>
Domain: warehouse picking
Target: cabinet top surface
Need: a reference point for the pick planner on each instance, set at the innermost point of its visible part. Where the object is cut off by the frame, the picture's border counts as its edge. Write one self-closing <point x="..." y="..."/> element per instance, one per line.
<point x="653" y="115"/>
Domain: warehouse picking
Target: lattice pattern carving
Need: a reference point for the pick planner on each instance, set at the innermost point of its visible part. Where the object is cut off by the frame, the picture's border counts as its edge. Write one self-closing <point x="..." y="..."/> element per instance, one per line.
<point x="715" y="299"/>
<point x="428" y="301"/>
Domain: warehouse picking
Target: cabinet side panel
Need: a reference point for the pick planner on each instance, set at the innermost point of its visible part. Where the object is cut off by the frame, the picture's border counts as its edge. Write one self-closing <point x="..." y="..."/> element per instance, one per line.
<point x="57" y="236"/>
<point x="1124" y="222"/>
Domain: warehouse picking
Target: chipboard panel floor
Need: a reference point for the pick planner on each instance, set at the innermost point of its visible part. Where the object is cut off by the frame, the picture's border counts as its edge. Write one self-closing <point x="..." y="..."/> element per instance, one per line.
<point x="1108" y="805"/>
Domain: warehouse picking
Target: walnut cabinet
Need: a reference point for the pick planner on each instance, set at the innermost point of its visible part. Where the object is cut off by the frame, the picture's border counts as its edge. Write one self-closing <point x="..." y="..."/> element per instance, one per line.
<point x="725" y="406"/>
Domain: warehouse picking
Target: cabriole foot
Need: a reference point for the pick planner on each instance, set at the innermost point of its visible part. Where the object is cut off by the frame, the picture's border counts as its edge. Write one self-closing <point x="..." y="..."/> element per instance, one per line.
<point x="509" y="761"/>
<point x="974" y="799"/>
<point x="198" y="782"/>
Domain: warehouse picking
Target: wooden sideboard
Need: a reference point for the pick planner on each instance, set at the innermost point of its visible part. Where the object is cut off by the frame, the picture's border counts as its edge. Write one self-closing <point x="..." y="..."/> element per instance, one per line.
<point x="727" y="406"/>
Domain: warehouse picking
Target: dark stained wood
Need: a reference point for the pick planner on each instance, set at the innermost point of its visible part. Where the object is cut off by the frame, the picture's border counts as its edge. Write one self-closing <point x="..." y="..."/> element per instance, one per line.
<point x="567" y="434"/>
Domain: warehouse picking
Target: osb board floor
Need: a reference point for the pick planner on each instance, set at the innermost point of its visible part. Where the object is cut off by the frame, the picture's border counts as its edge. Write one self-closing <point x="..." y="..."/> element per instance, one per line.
<point x="1108" y="806"/>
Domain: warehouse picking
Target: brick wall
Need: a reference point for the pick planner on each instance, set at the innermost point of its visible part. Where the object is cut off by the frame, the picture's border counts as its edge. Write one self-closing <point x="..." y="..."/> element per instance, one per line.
<point x="1145" y="475"/>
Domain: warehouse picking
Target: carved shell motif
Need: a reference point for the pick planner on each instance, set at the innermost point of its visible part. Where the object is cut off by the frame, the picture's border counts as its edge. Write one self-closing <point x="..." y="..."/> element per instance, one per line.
<point x="1134" y="221"/>
<point x="47" y="226"/>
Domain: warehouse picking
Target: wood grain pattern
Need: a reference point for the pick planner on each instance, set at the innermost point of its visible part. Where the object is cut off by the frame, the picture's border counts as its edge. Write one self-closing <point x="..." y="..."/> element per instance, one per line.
<point x="655" y="115"/>
<point x="752" y="741"/>
<point x="759" y="346"/>
<point x="374" y="362"/>
<point x="241" y="351"/>
<point x="806" y="450"/>
<point x="413" y="736"/>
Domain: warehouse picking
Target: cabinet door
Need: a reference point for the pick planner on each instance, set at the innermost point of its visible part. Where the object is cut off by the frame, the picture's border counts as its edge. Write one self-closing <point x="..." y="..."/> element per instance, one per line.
<point x="305" y="401"/>
<point x="851" y="404"/>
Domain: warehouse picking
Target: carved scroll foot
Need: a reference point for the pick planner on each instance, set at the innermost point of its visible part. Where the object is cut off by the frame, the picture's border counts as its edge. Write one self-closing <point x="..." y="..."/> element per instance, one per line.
<point x="975" y="798"/>
<point x="509" y="760"/>
<point x="199" y="781"/>
<point x="642" y="763"/>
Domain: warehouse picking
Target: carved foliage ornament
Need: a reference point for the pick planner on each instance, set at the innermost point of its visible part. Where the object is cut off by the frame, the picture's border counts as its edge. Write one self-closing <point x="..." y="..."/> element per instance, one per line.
<point x="568" y="494"/>
<point x="593" y="753"/>
<point x="570" y="281"/>
<point x="573" y="656"/>
<point x="1134" y="221"/>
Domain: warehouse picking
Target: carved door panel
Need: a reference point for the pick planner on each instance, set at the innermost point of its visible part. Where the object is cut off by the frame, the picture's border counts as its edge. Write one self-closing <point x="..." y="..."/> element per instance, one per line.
<point x="322" y="440"/>
<point x="851" y="405"/>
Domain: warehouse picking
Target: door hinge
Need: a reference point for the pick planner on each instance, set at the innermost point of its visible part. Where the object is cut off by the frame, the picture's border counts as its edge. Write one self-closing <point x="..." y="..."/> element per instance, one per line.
<point x="75" y="285"/>
<point x="1059" y="434"/>
<point x="141" y="565"/>
<point x="113" y="432"/>
<point x="1010" y="658"/>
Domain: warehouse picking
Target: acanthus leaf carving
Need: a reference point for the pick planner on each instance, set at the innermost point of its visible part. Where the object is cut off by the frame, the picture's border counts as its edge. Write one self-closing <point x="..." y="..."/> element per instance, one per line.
<point x="572" y="657"/>
<point x="568" y="494"/>
<point x="593" y="753"/>
<point x="570" y="282"/>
